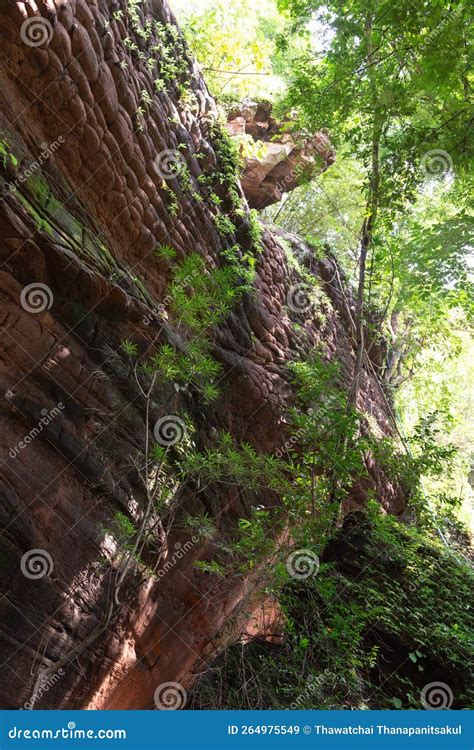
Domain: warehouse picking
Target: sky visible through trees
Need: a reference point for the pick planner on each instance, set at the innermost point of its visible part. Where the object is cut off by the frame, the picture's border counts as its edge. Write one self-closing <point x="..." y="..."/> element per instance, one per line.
<point x="391" y="85"/>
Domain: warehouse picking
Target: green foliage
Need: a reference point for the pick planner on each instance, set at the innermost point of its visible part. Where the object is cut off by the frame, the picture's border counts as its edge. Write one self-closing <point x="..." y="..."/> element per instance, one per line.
<point x="165" y="252"/>
<point x="231" y="464"/>
<point x="226" y="182"/>
<point x="197" y="300"/>
<point x="334" y="442"/>
<point x="255" y="540"/>
<point x="383" y="61"/>
<point x="172" y="200"/>
<point x="444" y="382"/>
<point x="392" y="87"/>
<point x="203" y="525"/>
<point x="236" y="59"/>
<point x="255" y="230"/>
<point x="6" y="155"/>
<point x="315" y="471"/>
<point x="329" y="451"/>
<point x="229" y="163"/>
<point x="200" y="299"/>
<point x="370" y="630"/>
<point x="123" y="531"/>
<point x="327" y="211"/>
<point x="401" y="591"/>
<point x="226" y="465"/>
<point x="129" y="348"/>
<point x="211" y="567"/>
<point x="223" y="224"/>
<point x="124" y="527"/>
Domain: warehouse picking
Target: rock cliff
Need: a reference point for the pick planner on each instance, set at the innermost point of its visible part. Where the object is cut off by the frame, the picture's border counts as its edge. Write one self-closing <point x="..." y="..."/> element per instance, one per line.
<point x="109" y="151"/>
<point x="283" y="157"/>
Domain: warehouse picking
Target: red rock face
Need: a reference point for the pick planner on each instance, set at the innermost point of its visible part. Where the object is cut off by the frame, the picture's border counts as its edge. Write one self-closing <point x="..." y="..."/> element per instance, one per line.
<point x="282" y="158"/>
<point x="88" y="240"/>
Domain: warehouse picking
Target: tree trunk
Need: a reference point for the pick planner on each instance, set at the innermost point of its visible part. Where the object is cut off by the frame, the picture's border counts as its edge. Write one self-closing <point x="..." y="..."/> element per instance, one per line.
<point x="367" y="229"/>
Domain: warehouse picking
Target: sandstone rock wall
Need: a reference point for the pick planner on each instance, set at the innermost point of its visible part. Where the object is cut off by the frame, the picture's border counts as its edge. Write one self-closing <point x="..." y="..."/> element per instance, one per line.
<point x="85" y="225"/>
<point x="283" y="156"/>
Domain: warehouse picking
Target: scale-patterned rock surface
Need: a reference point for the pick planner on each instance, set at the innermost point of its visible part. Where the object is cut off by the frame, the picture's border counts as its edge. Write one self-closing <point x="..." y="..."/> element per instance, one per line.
<point x="88" y="138"/>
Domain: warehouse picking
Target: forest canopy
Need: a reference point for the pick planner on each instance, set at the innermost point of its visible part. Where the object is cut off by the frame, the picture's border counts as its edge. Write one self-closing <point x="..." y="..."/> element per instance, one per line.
<point x="391" y="86"/>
